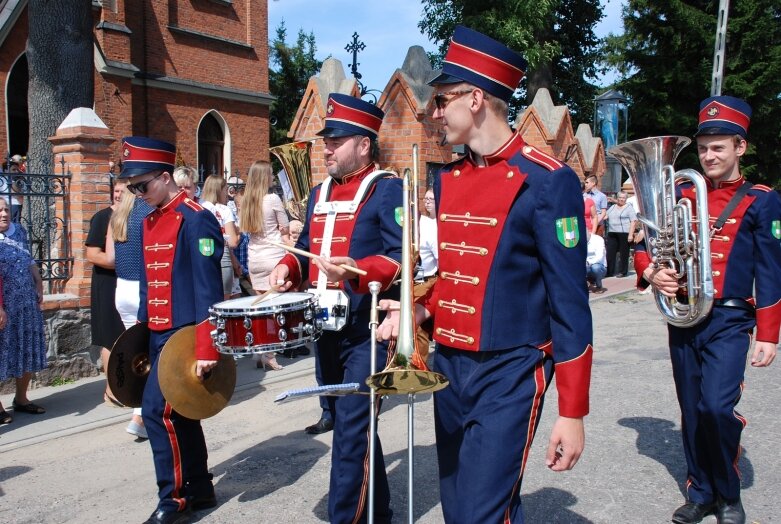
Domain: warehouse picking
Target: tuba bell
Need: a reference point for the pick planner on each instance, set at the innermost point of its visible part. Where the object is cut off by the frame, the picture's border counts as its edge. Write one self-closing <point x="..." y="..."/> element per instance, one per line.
<point x="297" y="180"/>
<point x="677" y="236"/>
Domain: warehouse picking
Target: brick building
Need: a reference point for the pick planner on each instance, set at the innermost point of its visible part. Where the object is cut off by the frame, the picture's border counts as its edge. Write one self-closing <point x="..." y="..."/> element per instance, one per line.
<point x="407" y="102"/>
<point x="193" y="72"/>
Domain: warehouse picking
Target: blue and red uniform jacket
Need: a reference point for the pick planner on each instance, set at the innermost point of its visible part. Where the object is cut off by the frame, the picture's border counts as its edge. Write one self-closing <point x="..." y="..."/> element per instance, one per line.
<point x="371" y="236"/>
<point x="182" y="278"/>
<point x="512" y="270"/>
<point x="745" y="253"/>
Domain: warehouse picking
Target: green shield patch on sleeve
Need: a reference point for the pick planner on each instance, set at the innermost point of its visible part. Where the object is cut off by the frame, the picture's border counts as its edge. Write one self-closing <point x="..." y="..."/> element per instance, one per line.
<point x="206" y="246"/>
<point x="399" y="215"/>
<point x="567" y="231"/>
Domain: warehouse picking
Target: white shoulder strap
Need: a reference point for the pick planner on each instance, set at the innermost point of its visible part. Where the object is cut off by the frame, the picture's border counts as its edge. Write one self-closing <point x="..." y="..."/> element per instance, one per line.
<point x="346" y="206"/>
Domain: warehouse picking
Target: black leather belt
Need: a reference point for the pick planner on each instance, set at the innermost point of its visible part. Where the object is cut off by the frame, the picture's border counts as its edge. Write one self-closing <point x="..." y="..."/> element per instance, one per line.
<point x="736" y="303"/>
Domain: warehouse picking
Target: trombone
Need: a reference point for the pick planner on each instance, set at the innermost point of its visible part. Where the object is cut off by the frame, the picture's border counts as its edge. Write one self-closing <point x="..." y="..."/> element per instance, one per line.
<point x="405" y="374"/>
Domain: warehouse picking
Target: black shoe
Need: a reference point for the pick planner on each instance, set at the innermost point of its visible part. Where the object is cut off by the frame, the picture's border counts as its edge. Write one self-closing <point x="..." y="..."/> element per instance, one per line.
<point x="730" y="513"/>
<point x="691" y="512"/>
<point x="324" y="425"/>
<point x="162" y="516"/>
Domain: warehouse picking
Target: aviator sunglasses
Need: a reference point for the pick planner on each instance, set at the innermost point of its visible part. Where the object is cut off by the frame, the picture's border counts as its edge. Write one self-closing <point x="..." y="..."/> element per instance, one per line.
<point x="441" y="100"/>
<point x="141" y="187"/>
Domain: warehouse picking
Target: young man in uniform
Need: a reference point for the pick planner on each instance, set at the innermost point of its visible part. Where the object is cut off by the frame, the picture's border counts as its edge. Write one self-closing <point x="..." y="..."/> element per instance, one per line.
<point x="182" y="246"/>
<point x="510" y="305"/>
<point x="354" y="219"/>
<point x="708" y="359"/>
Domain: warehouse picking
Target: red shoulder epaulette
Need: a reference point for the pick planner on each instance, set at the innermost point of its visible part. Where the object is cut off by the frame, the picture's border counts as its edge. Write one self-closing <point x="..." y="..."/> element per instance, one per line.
<point x="538" y="157"/>
<point x="762" y="187"/>
<point x="192" y="204"/>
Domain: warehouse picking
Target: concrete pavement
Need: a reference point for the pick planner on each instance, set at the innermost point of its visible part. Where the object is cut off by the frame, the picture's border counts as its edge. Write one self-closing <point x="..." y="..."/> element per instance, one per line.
<point x="76" y="463"/>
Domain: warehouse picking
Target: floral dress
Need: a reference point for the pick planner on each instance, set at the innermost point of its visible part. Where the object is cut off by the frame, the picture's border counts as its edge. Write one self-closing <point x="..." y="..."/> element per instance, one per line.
<point x="23" y="341"/>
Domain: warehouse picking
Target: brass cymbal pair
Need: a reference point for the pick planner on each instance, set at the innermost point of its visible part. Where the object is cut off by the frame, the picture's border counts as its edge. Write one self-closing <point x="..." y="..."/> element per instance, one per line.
<point x="129" y="366"/>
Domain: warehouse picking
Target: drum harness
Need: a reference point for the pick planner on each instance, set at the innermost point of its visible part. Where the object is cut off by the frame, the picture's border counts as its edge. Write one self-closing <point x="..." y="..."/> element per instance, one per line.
<point x="334" y="303"/>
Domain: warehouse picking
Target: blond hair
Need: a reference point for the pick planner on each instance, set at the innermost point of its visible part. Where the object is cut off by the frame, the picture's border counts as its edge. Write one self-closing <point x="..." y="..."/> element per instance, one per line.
<point x="212" y="189"/>
<point x="182" y="174"/>
<point x="121" y="215"/>
<point x="259" y="182"/>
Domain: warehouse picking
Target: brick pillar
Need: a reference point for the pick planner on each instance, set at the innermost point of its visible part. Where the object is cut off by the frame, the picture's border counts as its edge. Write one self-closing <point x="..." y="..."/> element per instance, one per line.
<point x="83" y="141"/>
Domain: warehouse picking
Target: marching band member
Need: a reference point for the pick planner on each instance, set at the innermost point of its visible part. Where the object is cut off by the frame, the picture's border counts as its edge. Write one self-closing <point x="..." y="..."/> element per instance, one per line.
<point x="182" y="247"/>
<point x="353" y="218"/>
<point x="510" y="305"/>
<point x="708" y="359"/>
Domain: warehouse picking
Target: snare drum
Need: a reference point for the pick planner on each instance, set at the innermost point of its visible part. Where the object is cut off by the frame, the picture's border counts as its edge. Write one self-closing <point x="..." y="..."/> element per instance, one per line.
<point x="280" y="321"/>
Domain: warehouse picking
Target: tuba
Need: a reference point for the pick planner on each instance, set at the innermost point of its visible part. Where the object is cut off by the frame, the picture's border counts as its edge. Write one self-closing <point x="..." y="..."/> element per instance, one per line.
<point x="297" y="180"/>
<point x="677" y="236"/>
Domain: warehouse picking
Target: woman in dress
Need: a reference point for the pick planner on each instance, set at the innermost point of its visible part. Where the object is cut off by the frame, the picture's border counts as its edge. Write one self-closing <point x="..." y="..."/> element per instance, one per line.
<point x="22" y="337"/>
<point x="123" y="249"/>
<point x="104" y="319"/>
<point x="215" y="198"/>
<point x="264" y="218"/>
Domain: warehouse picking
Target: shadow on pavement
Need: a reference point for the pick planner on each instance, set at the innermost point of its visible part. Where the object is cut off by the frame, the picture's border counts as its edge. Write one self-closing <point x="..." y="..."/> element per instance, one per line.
<point x="268" y="466"/>
<point x="550" y="505"/>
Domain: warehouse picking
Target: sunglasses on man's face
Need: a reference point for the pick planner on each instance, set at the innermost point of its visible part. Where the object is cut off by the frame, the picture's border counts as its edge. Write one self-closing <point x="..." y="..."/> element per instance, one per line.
<point x="141" y="187"/>
<point x="441" y="100"/>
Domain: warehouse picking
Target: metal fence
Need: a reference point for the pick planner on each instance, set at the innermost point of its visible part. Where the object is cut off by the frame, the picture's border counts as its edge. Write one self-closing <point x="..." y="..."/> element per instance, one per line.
<point x="40" y="203"/>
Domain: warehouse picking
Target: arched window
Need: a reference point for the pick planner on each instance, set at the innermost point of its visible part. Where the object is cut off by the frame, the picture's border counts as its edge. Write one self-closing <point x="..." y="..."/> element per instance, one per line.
<point x="16" y="108"/>
<point x="213" y="142"/>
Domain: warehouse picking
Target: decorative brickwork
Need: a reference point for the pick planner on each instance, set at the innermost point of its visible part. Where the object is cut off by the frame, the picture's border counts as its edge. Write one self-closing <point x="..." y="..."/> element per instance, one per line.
<point x="407" y="103"/>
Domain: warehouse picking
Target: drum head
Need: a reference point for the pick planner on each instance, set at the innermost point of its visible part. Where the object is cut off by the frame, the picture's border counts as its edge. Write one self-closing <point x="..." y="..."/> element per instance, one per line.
<point x="272" y="303"/>
<point x="128" y="365"/>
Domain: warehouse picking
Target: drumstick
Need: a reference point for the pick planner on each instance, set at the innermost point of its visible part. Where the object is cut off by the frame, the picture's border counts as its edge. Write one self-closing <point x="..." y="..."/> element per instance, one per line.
<point x="312" y="255"/>
<point x="263" y="296"/>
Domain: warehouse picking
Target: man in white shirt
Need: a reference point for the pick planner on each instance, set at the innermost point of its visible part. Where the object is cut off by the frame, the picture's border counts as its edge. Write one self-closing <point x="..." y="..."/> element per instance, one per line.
<point x="596" y="262"/>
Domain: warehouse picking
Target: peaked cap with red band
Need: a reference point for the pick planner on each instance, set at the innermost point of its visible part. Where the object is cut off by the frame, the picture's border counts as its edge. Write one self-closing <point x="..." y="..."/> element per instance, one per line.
<point x="141" y="155"/>
<point x="724" y="115"/>
<point x="483" y="62"/>
<point x="347" y="116"/>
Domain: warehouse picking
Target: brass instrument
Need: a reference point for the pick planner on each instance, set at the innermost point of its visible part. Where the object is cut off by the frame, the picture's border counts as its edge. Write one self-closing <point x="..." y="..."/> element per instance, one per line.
<point x="405" y="374"/>
<point x="676" y="235"/>
<point x="295" y="158"/>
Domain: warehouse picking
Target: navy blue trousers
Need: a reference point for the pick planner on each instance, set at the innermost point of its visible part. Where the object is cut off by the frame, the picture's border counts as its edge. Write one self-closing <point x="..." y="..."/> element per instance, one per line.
<point x="178" y="445"/>
<point x="344" y="360"/>
<point x="485" y="423"/>
<point x="709" y="362"/>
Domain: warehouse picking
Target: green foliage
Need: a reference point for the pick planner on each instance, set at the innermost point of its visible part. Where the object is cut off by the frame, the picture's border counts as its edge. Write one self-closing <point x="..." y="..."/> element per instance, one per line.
<point x="291" y="68"/>
<point x="665" y="58"/>
<point x="556" y="37"/>
<point x="61" y="381"/>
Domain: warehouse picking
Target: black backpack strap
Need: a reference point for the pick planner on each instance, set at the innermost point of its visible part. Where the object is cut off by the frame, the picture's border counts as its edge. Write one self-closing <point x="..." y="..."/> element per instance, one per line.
<point x="731" y="205"/>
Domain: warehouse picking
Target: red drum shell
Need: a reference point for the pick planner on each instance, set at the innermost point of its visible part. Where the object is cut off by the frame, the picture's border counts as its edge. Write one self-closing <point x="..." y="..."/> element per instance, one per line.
<point x="280" y="321"/>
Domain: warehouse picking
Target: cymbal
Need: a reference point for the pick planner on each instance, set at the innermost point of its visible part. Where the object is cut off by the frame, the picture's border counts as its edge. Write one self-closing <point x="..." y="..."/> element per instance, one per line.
<point x="128" y="365"/>
<point x="188" y="395"/>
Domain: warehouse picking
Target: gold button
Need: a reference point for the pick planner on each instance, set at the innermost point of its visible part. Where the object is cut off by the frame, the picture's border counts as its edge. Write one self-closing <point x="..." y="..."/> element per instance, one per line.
<point x="470" y="340"/>
<point x="457" y="172"/>
<point x="510" y="174"/>
<point x="717" y="273"/>
<point x="527" y="150"/>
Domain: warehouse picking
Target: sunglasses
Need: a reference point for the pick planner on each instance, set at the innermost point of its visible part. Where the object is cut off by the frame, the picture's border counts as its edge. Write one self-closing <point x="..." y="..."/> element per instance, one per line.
<point x="441" y="100"/>
<point x="141" y="187"/>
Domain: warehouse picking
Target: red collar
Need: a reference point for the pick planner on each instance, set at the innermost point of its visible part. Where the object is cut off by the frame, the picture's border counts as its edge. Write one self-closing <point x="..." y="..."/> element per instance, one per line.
<point x="506" y="151"/>
<point x="172" y="204"/>
<point x="358" y="174"/>
<point x="729" y="184"/>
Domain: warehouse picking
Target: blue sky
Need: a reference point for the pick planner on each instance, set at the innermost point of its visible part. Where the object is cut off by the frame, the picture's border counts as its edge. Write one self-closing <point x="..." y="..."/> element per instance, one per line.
<point x="387" y="28"/>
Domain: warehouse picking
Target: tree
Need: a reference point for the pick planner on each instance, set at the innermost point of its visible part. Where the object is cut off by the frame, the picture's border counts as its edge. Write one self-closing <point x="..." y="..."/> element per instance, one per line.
<point x="288" y="78"/>
<point x="665" y="58"/>
<point x="60" y="58"/>
<point x="555" y="36"/>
